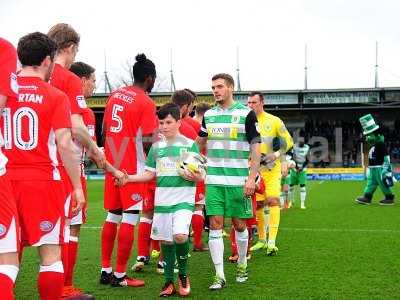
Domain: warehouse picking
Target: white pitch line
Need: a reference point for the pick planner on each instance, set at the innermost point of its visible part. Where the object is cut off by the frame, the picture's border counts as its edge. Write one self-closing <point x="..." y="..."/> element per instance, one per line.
<point x="307" y="229"/>
<point x="342" y="230"/>
<point x="321" y="182"/>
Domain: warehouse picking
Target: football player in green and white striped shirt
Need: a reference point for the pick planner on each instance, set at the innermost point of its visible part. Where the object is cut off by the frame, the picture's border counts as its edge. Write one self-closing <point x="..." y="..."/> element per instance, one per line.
<point x="174" y="196"/>
<point x="229" y="131"/>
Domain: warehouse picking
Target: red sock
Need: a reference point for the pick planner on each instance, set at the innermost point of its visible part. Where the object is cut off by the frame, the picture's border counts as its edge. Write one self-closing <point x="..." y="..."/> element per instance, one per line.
<point x="125" y="243"/>
<point x="51" y="282"/>
<point x="72" y="254"/>
<point x="107" y="243"/>
<point x="65" y="256"/>
<point x="155" y="245"/>
<point x="197" y="225"/>
<point x="6" y="287"/>
<point x="144" y="232"/>
<point x="233" y="241"/>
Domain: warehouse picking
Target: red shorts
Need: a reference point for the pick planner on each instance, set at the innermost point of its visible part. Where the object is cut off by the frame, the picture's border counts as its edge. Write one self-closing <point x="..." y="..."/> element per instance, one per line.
<point x="148" y="202"/>
<point x="127" y="197"/>
<point x="80" y="217"/>
<point x="67" y="192"/>
<point x="253" y="221"/>
<point x="40" y="206"/>
<point x="200" y="193"/>
<point x="9" y="225"/>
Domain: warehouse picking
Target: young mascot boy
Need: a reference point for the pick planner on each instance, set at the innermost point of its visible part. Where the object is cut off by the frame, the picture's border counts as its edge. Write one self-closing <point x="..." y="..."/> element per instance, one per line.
<point x="174" y="196"/>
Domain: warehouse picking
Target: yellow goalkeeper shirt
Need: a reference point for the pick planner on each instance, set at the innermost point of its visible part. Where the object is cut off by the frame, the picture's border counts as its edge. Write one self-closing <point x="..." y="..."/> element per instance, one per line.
<point x="270" y="127"/>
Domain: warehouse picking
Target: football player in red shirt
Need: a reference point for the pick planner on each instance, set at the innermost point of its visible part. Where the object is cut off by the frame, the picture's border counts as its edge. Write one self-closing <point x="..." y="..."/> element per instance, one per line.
<point x="38" y="123"/>
<point x="87" y="75"/>
<point x="9" y="226"/>
<point x="67" y="40"/>
<point x="129" y="124"/>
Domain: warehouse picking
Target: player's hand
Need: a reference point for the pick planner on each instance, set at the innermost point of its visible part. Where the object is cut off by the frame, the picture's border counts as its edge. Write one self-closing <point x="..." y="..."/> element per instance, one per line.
<point x="96" y="155"/>
<point x="121" y="177"/>
<point x="78" y="201"/>
<point x="193" y="176"/>
<point x="284" y="169"/>
<point x="249" y="187"/>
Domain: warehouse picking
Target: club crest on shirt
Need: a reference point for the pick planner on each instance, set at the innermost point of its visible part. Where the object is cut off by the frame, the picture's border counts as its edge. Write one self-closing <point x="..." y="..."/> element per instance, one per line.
<point x="136" y="197"/>
<point x="267" y="126"/>
<point x="46" y="226"/>
<point x="3" y="230"/>
<point x="235" y="119"/>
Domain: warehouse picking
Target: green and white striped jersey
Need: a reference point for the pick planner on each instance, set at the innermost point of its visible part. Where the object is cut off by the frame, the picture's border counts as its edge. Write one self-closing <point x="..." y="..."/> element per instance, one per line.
<point x="172" y="191"/>
<point x="229" y="134"/>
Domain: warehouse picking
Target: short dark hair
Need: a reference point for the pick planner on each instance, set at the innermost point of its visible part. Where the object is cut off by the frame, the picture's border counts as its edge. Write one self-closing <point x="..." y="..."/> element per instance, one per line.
<point x="64" y="35"/>
<point x="143" y="68"/>
<point x="228" y="78"/>
<point x="34" y="47"/>
<point x="169" y="109"/>
<point x="201" y="108"/>
<point x="259" y="94"/>
<point x="191" y="92"/>
<point x="82" y="69"/>
<point x="182" y="97"/>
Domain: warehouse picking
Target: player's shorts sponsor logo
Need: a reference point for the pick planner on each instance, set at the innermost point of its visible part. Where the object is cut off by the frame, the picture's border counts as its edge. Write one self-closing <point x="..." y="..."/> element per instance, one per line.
<point x="81" y="101"/>
<point x="154" y="230"/>
<point x="136" y="197"/>
<point x="46" y="226"/>
<point x="3" y="230"/>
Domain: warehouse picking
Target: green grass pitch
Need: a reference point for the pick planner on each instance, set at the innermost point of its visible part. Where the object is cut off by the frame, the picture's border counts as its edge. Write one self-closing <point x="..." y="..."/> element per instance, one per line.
<point x="335" y="249"/>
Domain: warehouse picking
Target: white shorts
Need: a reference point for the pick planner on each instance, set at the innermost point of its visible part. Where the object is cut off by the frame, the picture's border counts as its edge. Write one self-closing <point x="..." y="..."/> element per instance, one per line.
<point x="166" y="225"/>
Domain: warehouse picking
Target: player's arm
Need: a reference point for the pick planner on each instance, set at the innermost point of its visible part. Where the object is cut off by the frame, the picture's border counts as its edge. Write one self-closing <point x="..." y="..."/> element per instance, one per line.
<point x="146" y="176"/>
<point x="3" y="100"/>
<point x="71" y="161"/>
<point x="201" y="140"/>
<point x="285" y="137"/>
<point x="81" y="133"/>
<point x="254" y="139"/>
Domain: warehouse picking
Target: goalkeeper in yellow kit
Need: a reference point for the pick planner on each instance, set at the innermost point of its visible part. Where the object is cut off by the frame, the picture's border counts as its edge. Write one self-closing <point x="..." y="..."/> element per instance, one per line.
<point x="275" y="141"/>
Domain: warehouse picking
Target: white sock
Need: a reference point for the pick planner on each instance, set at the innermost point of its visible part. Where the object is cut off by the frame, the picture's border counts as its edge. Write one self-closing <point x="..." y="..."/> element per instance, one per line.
<point x="291" y="194"/>
<point x="107" y="270"/>
<point x="10" y="271"/>
<point x="242" y="244"/>
<point x="216" y="245"/>
<point x="303" y="194"/>
<point x="119" y="275"/>
<point x="282" y="199"/>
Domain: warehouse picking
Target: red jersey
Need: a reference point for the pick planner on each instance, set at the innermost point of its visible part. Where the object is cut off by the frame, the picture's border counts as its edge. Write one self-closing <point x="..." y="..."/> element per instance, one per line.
<point x="128" y="115"/>
<point x="70" y="84"/>
<point x="196" y="125"/>
<point x="89" y="120"/>
<point x="29" y="129"/>
<point x="8" y="83"/>
<point x="187" y="130"/>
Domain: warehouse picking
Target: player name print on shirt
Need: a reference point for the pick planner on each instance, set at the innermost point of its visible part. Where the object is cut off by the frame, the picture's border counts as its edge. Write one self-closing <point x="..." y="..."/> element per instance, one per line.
<point x="34" y="98"/>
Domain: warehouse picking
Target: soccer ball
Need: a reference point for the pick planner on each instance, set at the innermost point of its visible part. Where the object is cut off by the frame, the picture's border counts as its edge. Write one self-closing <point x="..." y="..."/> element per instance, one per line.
<point x="192" y="162"/>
